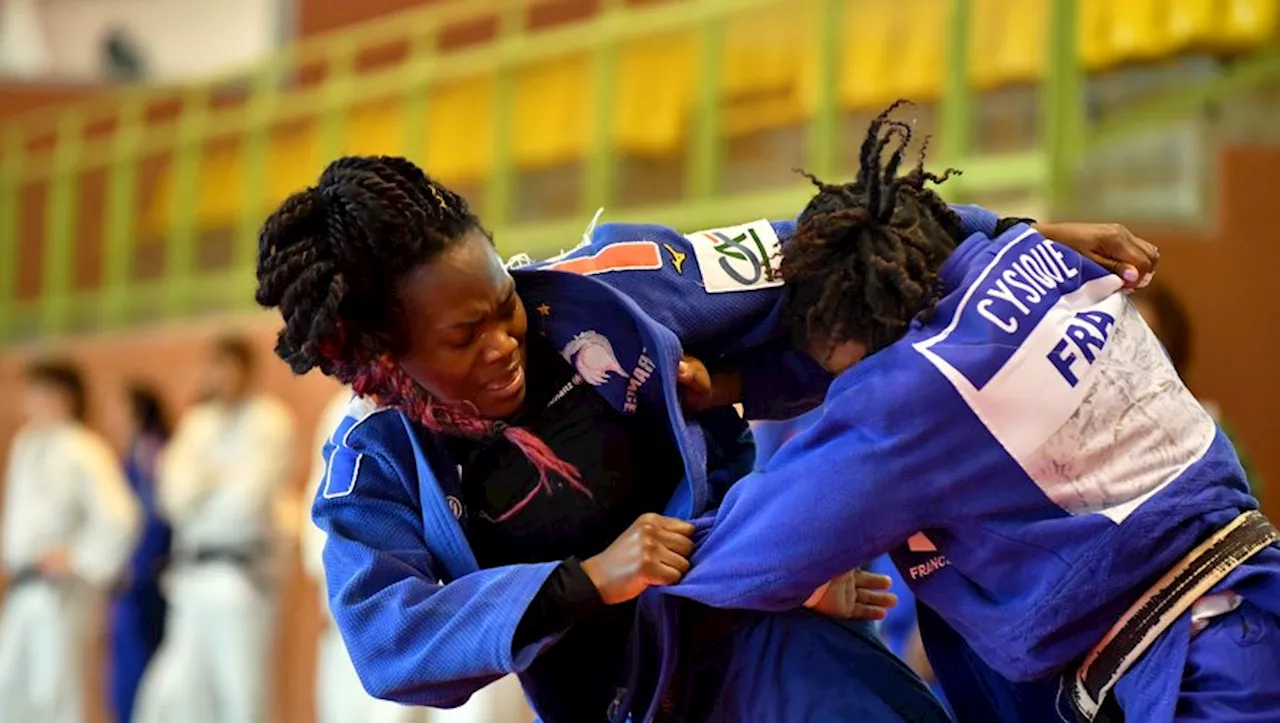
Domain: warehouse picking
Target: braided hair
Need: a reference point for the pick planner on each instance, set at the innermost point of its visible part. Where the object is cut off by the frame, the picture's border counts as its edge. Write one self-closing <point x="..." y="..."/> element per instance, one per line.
<point x="332" y="259"/>
<point x="865" y="255"/>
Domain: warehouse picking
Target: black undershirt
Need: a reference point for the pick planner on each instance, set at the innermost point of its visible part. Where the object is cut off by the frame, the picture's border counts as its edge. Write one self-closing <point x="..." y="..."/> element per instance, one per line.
<point x="631" y="466"/>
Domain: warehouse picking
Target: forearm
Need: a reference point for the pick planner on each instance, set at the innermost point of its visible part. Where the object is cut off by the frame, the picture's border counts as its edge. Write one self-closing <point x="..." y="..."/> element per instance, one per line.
<point x="418" y="642"/>
<point x="567" y="596"/>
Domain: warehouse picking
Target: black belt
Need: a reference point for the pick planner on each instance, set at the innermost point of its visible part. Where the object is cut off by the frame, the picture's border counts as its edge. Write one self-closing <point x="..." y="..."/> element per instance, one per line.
<point x="25" y="576"/>
<point x="1187" y="581"/>
<point x="243" y="557"/>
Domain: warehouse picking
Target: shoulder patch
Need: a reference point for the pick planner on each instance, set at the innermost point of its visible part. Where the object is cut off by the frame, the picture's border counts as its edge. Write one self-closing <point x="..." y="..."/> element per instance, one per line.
<point x="341" y="473"/>
<point x="737" y="258"/>
<point x="624" y="256"/>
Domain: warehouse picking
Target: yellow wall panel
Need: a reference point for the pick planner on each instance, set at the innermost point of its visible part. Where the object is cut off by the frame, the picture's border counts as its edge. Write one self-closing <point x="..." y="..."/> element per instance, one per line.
<point x="1139" y="29"/>
<point x="460" y="130"/>
<point x="553" y="109"/>
<point x="1094" y="35"/>
<point x="654" y="96"/>
<point x="293" y="161"/>
<point x="374" y="130"/>
<point x="922" y="36"/>
<point x="869" y="53"/>
<point x="1249" y="22"/>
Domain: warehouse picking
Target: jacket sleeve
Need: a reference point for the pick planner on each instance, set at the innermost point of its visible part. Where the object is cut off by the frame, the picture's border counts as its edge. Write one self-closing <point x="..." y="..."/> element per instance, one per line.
<point x="976" y="219"/>
<point x="414" y="639"/>
<point x="715" y="316"/>
<point x="840" y="494"/>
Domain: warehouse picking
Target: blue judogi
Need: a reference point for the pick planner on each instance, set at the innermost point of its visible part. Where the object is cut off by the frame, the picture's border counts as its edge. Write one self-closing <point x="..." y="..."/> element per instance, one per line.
<point x="391" y="500"/>
<point x="1033" y="462"/>
<point x="137" y="611"/>
<point x="899" y="625"/>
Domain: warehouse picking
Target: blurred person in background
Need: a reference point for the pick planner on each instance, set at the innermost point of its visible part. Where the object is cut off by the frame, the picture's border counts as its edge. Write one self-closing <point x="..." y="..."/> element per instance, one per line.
<point x="137" y="613"/>
<point x="218" y="484"/>
<point x="69" y="525"/>
<point x="1167" y="316"/>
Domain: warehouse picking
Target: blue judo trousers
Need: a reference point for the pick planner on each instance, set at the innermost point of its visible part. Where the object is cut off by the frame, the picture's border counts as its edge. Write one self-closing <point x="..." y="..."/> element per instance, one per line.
<point x="137" y="610"/>
<point x="623" y="308"/>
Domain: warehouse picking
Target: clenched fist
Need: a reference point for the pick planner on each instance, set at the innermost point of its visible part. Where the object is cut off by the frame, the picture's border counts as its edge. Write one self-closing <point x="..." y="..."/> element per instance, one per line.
<point x="654" y="550"/>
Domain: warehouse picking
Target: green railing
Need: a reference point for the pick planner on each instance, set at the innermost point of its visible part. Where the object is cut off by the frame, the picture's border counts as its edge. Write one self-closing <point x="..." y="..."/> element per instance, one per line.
<point x="47" y="160"/>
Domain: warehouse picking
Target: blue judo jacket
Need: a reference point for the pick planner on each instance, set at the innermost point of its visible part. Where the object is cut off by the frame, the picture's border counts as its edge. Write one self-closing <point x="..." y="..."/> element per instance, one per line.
<point x="1027" y="454"/>
<point x="423" y="623"/>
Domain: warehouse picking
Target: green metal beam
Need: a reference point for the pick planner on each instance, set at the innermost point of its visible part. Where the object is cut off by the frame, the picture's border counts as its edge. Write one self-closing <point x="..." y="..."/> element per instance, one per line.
<point x="1062" y="106"/>
<point x="957" y="105"/>
<point x="58" y="264"/>
<point x="180" y="254"/>
<point x="119" y="221"/>
<point x="823" y="146"/>
<point x="599" y="172"/>
<point x="415" y="104"/>
<point x="502" y="179"/>
<point x="10" y="226"/>
<point x="260" y="114"/>
<point x="339" y="82"/>
<point x="544" y="239"/>
<point x="1245" y="75"/>
<point x="706" y="146"/>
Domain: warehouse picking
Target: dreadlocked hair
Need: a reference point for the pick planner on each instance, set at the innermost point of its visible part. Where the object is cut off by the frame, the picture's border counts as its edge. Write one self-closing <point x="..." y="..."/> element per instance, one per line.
<point x="865" y="255"/>
<point x="331" y="259"/>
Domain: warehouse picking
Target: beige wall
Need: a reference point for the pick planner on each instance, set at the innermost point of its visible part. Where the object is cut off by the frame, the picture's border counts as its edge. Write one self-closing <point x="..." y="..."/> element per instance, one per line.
<point x="1226" y="278"/>
<point x="179" y="40"/>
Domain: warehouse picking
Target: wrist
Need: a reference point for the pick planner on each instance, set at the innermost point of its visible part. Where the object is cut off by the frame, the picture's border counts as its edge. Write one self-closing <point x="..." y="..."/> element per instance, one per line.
<point x="816" y="597"/>
<point x="591" y="568"/>
<point x="726" y="385"/>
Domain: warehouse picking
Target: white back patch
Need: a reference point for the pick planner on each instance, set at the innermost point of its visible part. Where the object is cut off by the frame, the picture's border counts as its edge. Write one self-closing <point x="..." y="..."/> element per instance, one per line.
<point x="738" y="258"/>
<point x="1100" y="428"/>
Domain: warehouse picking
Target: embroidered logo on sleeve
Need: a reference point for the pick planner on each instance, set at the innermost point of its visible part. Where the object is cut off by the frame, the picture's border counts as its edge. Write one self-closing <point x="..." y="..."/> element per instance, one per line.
<point x="340" y="478"/>
<point x="592" y="354"/>
<point x="738" y="258"/>
<point x="677" y="258"/>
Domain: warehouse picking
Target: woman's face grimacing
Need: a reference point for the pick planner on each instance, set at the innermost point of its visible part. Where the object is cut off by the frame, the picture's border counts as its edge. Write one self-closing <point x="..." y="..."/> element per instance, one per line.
<point x="466" y="329"/>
